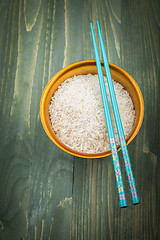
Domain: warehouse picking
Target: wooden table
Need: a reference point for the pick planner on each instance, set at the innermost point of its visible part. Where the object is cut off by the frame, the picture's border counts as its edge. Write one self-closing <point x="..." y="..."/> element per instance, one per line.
<point x="46" y="193"/>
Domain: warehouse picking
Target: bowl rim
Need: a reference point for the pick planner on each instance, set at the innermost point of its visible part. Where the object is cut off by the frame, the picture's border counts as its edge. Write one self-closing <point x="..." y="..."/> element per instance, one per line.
<point x="69" y="68"/>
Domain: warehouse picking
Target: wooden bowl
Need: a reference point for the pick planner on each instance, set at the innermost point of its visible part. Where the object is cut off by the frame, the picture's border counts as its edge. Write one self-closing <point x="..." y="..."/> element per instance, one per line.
<point x="81" y="68"/>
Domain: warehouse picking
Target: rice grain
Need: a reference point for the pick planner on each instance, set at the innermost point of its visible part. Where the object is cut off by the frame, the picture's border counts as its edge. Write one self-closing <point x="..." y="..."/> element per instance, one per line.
<point x="77" y="115"/>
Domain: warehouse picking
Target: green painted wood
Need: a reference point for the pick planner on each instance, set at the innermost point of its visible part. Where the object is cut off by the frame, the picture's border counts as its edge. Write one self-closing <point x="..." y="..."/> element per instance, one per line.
<point x="46" y="193"/>
<point x="35" y="175"/>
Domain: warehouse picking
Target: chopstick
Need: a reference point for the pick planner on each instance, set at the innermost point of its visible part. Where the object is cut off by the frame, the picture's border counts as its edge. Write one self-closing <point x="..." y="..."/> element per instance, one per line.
<point x="115" y="158"/>
<point x="131" y="180"/>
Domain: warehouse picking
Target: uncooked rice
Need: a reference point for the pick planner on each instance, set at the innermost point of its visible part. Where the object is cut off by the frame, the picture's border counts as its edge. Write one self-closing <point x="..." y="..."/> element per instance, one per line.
<point x="77" y="115"/>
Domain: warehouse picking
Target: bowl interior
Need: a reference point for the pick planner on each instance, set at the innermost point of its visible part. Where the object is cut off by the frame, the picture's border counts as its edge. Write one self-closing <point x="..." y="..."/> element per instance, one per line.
<point x="82" y="68"/>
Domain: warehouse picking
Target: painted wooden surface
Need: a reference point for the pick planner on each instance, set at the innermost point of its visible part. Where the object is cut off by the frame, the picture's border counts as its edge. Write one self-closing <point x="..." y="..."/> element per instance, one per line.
<point x="46" y="193"/>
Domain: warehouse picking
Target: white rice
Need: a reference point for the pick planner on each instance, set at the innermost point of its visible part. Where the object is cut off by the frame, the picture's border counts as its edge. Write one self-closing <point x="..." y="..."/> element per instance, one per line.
<point x="77" y="115"/>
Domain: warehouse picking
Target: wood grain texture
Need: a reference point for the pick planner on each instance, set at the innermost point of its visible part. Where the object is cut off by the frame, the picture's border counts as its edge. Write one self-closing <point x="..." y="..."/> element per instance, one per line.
<point x="46" y="193"/>
<point x="35" y="175"/>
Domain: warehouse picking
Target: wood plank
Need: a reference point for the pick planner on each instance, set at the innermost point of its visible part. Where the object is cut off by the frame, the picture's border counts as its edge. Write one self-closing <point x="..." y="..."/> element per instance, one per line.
<point x="36" y="177"/>
<point x="95" y="198"/>
<point x="140" y="43"/>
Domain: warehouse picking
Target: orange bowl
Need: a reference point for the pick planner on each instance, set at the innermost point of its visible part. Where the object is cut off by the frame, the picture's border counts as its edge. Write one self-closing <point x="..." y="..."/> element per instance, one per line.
<point x="82" y="68"/>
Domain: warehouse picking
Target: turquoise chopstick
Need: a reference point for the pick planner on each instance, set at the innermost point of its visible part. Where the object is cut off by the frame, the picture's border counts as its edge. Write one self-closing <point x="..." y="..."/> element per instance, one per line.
<point x="115" y="158"/>
<point x="135" y="199"/>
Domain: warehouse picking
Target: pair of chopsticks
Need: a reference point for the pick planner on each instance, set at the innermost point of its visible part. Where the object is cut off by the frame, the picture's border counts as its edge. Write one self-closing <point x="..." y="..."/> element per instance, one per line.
<point x="115" y="158"/>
